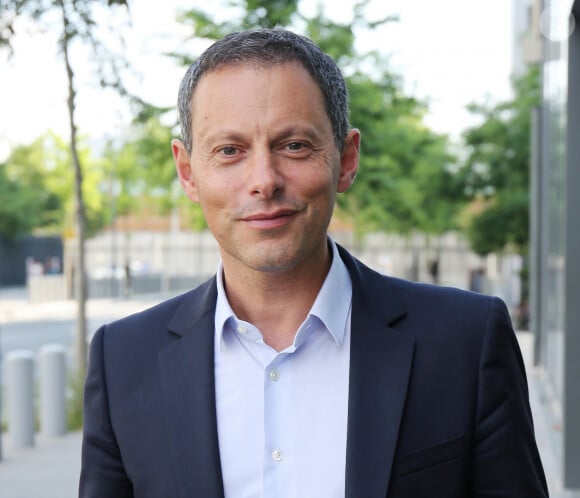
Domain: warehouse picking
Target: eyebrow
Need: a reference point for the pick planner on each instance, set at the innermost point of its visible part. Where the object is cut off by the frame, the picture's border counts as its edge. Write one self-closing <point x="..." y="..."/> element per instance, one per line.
<point x="309" y="131"/>
<point x="231" y="135"/>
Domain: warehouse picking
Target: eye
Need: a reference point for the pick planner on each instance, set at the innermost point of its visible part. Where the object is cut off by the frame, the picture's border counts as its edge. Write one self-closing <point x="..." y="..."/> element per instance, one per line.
<point x="228" y="150"/>
<point x="297" y="149"/>
<point x="295" y="146"/>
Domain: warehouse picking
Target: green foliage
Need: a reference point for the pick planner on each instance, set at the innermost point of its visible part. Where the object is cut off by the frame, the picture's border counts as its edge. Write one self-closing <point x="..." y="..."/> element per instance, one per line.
<point x="496" y="170"/>
<point x="155" y="162"/>
<point x="139" y="173"/>
<point x="252" y="14"/>
<point x="268" y="13"/>
<point x="503" y="221"/>
<point x="404" y="182"/>
<point x="16" y="215"/>
<point x="157" y="169"/>
<point x="140" y="170"/>
<point x="337" y="40"/>
<point x="36" y="182"/>
<point x="28" y="202"/>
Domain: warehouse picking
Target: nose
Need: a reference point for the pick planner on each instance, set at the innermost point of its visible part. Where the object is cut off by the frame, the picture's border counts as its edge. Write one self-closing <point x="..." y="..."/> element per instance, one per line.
<point x="263" y="176"/>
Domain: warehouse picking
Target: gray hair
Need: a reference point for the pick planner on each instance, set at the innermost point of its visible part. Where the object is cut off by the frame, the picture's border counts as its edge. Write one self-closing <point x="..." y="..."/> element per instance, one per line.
<point x="266" y="47"/>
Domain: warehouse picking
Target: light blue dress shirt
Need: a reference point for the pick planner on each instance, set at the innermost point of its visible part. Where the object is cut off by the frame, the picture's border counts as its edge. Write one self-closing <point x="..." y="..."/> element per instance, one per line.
<point x="282" y="416"/>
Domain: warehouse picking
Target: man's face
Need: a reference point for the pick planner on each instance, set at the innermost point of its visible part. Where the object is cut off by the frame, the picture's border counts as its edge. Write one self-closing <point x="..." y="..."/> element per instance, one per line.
<point x="264" y="165"/>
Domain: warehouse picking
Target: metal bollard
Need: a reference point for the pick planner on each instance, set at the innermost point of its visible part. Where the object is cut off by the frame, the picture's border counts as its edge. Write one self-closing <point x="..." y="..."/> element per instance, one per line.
<point x="20" y="394"/>
<point x="52" y="364"/>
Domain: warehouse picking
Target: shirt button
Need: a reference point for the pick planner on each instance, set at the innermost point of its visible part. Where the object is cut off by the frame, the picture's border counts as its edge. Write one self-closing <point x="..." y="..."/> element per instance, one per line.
<point x="274" y="375"/>
<point x="277" y="455"/>
<point x="242" y="329"/>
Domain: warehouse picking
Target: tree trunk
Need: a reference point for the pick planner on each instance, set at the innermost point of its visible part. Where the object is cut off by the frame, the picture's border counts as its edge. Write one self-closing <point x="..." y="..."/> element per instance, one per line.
<point x="80" y="281"/>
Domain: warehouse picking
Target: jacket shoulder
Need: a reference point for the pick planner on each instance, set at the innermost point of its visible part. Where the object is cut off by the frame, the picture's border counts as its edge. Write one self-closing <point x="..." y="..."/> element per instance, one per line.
<point x="185" y="307"/>
<point x="377" y="290"/>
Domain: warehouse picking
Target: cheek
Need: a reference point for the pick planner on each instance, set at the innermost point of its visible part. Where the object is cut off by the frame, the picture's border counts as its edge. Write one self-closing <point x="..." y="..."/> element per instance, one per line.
<point x="320" y="187"/>
<point x="211" y="206"/>
<point x="311" y="179"/>
<point x="216" y="204"/>
<point x="214" y="190"/>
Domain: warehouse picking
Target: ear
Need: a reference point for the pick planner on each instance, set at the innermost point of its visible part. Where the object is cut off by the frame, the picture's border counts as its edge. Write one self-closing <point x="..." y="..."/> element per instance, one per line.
<point x="184" y="171"/>
<point x="349" y="157"/>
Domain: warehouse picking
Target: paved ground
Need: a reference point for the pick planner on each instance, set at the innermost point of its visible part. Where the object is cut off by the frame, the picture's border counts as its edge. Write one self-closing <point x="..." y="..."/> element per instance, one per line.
<point x="51" y="468"/>
<point x="548" y="429"/>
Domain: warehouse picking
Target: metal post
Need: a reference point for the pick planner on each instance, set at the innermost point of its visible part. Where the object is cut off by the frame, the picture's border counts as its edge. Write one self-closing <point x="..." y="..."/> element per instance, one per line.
<point x="20" y="393"/>
<point x="571" y="393"/>
<point x="535" y="256"/>
<point x="0" y="396"/>
<point x="52" y="363"/>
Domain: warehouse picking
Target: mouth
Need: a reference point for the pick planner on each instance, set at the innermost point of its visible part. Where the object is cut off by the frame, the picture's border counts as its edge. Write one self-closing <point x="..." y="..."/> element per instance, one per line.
<point x="269" y="220"/>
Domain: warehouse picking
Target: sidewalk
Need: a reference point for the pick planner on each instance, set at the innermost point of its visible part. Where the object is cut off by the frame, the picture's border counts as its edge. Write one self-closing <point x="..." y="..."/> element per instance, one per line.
<point x="51" y="468"/>
<point x="548" y="430"/>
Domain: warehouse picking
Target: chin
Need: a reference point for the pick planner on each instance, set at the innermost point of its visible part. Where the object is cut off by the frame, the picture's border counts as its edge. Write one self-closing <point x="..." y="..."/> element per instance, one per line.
<point x="272" y="265"/>
<point x="274" y="259"/>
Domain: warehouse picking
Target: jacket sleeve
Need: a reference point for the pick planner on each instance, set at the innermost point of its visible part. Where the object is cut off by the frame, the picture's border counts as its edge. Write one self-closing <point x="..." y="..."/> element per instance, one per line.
<point x="102" y="470"/>
<point x="506" y="459"/>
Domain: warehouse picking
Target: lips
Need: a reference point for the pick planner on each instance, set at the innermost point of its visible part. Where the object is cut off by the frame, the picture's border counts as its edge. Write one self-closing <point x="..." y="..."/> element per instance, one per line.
<point x="269" y="215"/>
<point x="270" y="219"/>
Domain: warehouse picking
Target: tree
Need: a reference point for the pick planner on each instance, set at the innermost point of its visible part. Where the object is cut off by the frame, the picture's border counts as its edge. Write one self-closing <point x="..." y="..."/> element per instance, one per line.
<point x="495" y="174"/>
<point x="16" y="215"/>
<point x="254" y="14"/>
<point x="27" y="201"/>
<point x="144" y="172"/>
<point x="405" y="182"/>
<point x="41" y="171"/>
<point x="76" y="24"/>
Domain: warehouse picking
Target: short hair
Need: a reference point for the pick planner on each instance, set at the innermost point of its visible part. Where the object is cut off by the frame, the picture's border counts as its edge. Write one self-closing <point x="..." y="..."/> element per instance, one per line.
<point x="267" y="47"/>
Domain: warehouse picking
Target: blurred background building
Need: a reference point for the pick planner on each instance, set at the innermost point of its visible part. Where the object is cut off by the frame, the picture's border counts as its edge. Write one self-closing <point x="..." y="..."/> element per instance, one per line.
<point x="547" y="35"/>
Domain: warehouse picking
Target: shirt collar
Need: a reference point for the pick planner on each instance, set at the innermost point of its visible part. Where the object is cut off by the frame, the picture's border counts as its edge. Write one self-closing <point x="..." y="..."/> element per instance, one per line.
<point x="331" y="306"/>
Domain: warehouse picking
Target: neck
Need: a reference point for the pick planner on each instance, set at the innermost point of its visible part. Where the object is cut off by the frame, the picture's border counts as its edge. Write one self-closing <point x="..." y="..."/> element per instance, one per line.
<point x="277" y="303"/>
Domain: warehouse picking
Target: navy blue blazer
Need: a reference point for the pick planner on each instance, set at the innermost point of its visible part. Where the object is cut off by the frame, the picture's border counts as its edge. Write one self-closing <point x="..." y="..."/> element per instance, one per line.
<point x="438" y="399"/>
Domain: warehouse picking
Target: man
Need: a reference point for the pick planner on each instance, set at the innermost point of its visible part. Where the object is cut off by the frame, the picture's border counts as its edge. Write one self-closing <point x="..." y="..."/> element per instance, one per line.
<point x="297" y="371"/>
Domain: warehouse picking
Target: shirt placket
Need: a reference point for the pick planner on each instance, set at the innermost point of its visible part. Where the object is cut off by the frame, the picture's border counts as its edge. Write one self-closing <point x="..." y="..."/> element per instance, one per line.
<point x="278" y="450"/>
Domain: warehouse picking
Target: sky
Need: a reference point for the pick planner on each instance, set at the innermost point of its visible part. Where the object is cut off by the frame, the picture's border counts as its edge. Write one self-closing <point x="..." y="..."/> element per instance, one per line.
<point x="449" y="53"/>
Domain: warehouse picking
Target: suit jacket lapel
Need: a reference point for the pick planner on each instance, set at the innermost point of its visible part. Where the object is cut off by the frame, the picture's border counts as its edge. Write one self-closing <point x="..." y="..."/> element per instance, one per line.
<point x="380" y="365"/>
<point x="188" y="394"/>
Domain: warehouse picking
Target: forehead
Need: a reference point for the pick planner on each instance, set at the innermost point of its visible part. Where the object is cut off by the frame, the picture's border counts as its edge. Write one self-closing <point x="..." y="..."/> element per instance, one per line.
<point x="232" y="72"/>
<point x="274" y="88"/>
